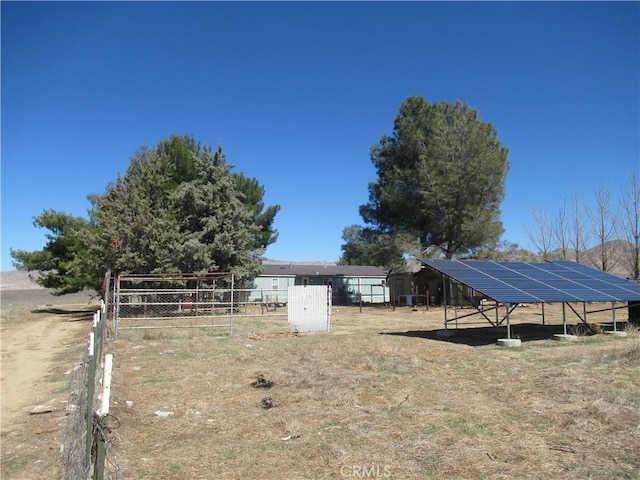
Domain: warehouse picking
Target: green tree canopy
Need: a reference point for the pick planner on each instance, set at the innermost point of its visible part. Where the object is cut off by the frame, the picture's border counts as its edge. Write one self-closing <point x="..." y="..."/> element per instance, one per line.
<point x="440" y="179"/>
<point x="366" y="246"/>
<point x="60" y="262"/>
<point x="252" y="194"/>
<point x="178" y="208"/>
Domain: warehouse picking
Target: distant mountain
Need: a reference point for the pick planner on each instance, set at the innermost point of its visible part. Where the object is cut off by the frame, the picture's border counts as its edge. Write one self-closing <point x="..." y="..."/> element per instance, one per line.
<point x="617" y="252"/>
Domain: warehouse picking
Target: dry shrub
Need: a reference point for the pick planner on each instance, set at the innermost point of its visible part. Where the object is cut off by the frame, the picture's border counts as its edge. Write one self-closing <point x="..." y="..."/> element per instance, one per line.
<point x="628" y="353"/>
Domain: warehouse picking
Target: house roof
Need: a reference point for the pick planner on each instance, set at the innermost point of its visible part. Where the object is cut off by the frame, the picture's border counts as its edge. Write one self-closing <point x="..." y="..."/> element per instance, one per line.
<point x="310" y="270"/>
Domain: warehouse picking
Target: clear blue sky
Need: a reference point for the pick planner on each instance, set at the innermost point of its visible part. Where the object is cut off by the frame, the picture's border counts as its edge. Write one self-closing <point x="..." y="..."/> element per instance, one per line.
<point x="297" y="93"/>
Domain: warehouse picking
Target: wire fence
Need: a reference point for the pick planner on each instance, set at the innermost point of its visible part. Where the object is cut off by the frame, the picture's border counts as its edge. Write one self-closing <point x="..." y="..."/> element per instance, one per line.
<point x="147" y="302"/>
<point x="88" y="451"/>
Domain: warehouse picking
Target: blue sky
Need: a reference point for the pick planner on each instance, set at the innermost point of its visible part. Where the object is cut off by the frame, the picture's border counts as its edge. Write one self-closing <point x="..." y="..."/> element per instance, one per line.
<point x="297" y="93"/>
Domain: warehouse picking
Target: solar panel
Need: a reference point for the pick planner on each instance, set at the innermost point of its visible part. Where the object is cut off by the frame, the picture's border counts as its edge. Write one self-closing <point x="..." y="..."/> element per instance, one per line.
<point x="549" y="282"/>
<point x="603" y="281"/>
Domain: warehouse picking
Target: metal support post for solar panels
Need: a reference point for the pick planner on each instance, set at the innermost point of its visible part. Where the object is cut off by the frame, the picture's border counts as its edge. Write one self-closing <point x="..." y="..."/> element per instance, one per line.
<point x="543" y="322"/>
<point x="564" y="318"/>
<point x="508" y="323"/>
<point x="444" y="301"/>
<point x="613" y="312"/>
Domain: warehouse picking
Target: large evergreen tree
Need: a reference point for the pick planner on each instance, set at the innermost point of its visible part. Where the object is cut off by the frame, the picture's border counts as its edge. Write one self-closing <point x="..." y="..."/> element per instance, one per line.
<point x="441" y="178"/>
<point x="61" y="262"/>
<point x="252" y="194"/>
<point x="178" y="208"/>
<point x="366" y="246"/>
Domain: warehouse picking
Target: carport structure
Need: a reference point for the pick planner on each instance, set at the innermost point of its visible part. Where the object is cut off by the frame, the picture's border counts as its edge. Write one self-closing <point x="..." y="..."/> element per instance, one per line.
<point x="515" y="283"/>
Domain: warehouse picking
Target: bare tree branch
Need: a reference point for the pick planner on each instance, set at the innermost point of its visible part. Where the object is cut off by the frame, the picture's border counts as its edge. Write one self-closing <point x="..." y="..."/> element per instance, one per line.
<point x="578" y="238"/>
<point x="542" y="234"/>
<point x="630" y="224"/>
<point x="561" y="232"/>
<point x="603" y="220"/>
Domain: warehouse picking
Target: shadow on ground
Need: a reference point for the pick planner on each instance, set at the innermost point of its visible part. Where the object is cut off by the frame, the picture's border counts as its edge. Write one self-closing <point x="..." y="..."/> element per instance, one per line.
<point x="71" y="314"/>
<point x="479" y="336"/>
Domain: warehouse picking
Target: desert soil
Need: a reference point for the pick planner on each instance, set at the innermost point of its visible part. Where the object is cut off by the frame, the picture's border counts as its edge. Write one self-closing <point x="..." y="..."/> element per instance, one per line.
<point x="41" y="340"/>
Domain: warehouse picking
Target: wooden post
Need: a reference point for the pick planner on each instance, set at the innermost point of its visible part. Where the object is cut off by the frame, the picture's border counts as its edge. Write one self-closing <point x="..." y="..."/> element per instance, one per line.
<point x="106" y="385"/>
<point x="91" y="382"/>
<point x="102" y="412"/>
<point x="91" y="343"/>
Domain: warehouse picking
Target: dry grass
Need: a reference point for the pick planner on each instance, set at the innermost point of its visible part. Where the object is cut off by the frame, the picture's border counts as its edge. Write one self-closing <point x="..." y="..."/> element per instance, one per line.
<point x="381" y="397"/>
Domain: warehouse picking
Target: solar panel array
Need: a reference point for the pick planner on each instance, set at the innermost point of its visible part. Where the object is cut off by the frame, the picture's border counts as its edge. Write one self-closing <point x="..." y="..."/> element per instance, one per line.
<point x="549" y="282"/>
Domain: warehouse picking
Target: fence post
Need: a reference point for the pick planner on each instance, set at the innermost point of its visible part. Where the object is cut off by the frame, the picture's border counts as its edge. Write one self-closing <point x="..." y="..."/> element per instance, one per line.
<point x="91" y="376"/>
<point x="231" y="313"/>
<point x="116" y="305"/>
<point x="101" y="414"/>
<point x="96" y="339"/>
<point x="98" y="471"/>
<point x="97" y="332"/>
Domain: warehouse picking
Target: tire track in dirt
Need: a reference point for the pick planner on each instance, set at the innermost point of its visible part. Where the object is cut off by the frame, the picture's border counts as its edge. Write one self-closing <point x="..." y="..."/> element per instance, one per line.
<point x="28" y="351"/>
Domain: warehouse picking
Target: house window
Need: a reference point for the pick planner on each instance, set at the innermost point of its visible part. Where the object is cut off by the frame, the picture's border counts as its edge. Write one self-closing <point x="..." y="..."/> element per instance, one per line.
<point x="275" y="284"/>
<point x="305" y="281"/>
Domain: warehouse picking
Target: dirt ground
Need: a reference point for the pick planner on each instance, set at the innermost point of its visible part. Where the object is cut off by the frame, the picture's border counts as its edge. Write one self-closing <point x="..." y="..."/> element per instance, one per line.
<point x="41" y="340"/>
<point x="382" y="396"/>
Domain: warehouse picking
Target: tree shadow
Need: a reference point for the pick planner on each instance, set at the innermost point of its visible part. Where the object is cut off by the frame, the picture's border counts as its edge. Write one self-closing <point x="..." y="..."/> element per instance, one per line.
<point x="72" y="314"/>
<point x="481" y="336"/>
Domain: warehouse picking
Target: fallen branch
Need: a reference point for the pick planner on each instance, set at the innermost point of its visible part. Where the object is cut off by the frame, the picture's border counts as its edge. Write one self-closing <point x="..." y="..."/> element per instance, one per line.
<point x="563" y="449"/>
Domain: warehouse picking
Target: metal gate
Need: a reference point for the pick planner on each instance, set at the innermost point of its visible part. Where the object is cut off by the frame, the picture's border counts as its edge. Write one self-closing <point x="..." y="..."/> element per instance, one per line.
<point x="190" y="300"/>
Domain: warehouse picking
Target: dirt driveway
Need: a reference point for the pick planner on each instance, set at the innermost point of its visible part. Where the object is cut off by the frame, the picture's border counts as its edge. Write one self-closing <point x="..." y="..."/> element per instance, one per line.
<point x="42" y="338"/>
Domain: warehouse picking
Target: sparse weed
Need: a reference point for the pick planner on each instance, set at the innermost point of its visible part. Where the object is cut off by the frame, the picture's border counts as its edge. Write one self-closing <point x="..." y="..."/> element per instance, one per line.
<point x="422" y="406"/>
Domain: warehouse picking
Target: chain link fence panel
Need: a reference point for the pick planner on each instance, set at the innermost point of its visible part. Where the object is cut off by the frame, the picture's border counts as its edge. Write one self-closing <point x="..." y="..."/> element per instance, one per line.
<point x="146" y="302"/>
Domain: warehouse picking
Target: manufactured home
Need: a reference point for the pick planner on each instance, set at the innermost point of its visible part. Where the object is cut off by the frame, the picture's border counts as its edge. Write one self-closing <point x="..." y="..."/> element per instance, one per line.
<point x="349" y="284"/>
